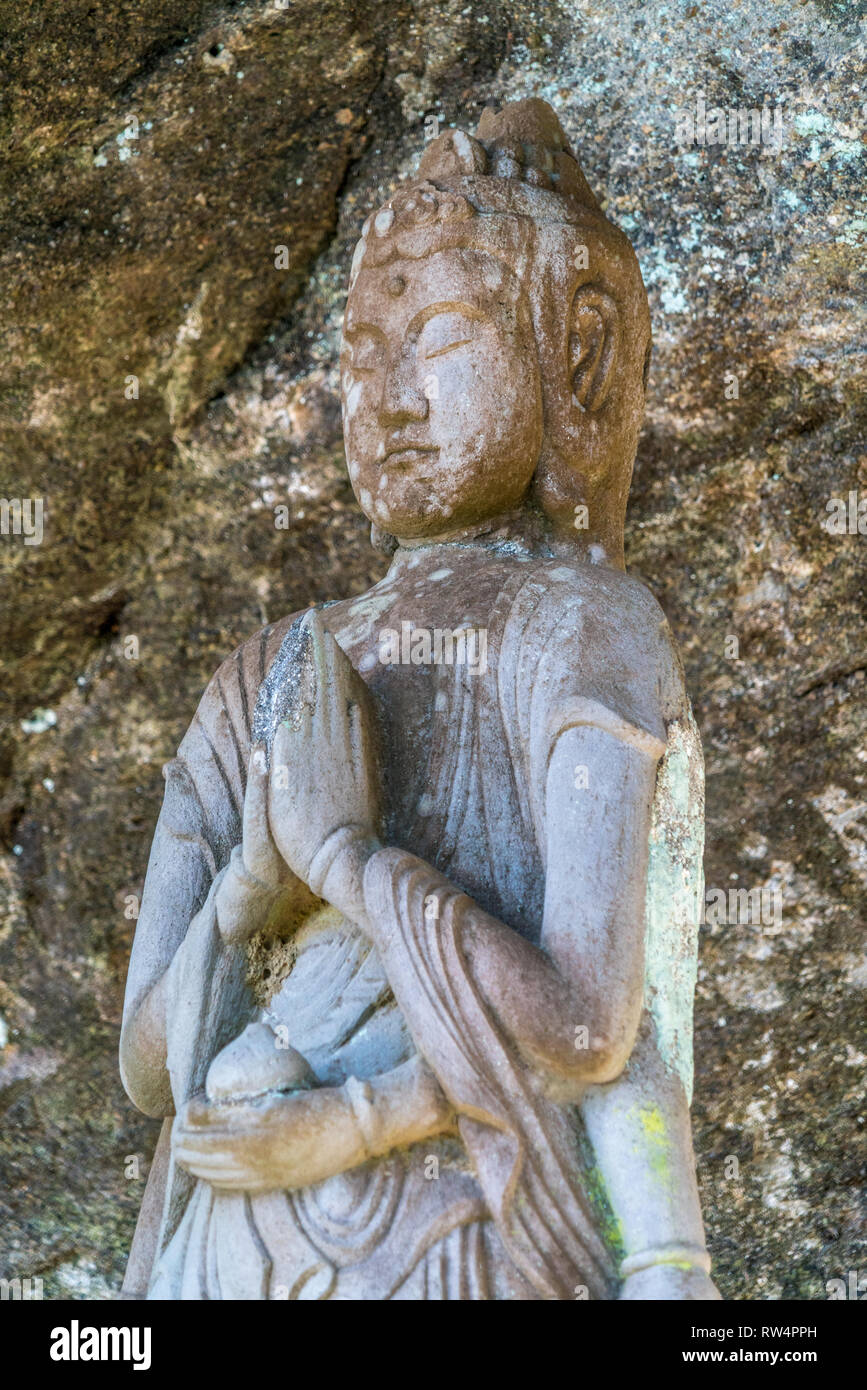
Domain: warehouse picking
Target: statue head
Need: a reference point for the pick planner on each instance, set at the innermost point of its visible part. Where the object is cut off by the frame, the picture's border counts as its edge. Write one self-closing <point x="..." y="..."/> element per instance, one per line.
<point x="496" y="342"/>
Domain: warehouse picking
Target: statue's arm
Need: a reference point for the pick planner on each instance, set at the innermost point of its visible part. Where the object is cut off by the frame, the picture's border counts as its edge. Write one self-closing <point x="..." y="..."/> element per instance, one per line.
<point x="598" y="804"/>
<point x="180" y="875"/>
<point x="251" y="891"/>
<point x="573" y="1006"/>
<point x="143" y="1054"/>
<point x="199" y="823"/>
<point x="144" y="1032"/>
<point x="639" y="1124"/>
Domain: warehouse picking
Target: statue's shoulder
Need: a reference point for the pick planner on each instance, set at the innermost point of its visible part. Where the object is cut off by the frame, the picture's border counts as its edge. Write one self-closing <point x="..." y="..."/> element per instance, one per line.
<point x="604" y="630"/>
<point x="225" y="712"/>
<point x="605" y="598"/>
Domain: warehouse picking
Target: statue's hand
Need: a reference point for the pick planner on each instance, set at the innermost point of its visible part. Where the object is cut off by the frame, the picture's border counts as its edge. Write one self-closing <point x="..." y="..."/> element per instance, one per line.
<point x="291" y="1140"/>
<point x="258" y="889"/>
<point x="262" y="859"/>
<point x="323" y="799"/>
<point x="668" y="1284"/>
<point x="278" y="1143"/>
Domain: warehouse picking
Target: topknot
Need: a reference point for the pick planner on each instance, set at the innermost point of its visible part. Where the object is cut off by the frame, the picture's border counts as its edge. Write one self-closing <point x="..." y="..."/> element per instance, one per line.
<point x="523" y="143"/>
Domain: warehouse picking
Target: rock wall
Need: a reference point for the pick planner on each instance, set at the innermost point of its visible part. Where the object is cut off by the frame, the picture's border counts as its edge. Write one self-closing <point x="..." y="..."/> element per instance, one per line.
<point x="182" y="187"/>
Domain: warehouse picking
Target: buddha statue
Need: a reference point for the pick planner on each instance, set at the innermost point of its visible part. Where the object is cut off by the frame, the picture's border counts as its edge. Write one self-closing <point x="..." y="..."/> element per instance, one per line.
<point x="412" y="979"/>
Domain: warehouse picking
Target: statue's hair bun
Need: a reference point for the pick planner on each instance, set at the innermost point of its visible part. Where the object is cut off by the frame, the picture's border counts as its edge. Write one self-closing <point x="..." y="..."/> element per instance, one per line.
<point x="523" y="143"/>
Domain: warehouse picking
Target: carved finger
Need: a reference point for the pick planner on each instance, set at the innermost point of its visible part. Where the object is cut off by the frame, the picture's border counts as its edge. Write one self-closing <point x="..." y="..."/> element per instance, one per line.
<point x="333" y="673"/>
<point x="319" y="654"/>
<point x="197" y="1114"/>
<point x="219" y="1170"/>
<point x="260" y="853"/>
<point x="290" y="752"/>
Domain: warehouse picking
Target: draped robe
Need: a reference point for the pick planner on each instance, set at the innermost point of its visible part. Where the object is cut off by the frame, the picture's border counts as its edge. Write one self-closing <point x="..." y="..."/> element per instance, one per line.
<point x="515" y="1210"/>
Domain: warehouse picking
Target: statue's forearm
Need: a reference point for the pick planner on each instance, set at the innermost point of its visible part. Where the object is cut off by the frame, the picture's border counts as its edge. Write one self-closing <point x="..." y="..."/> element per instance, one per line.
<point x="536" y="1005"/>
<point x="572" y="1006"/>
<point x="542" y="1010"/>
<point x="240" y="905"/>
<point x="640" y="1131"/>
<point x="143" y="1054"/>
<point x="305" y="1137"/>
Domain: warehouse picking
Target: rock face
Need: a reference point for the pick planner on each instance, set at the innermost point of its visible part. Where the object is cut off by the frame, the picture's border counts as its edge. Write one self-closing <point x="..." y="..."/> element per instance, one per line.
<point x="182" y="187"/>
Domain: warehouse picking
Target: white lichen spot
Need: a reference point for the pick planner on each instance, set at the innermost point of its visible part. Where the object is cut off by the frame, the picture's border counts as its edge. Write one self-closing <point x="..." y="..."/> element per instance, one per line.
<point x="847" y="818"/>
<point x="39" y="722"/>
<point x="357" y="259"/>
<point x="383" y="221"/>
<point x="855" y="971"/>
<point x="352" y="398"/>
<point x="463" y="148"/>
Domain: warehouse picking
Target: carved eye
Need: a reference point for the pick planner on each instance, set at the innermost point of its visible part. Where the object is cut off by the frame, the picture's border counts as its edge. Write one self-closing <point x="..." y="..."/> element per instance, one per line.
<point x="449" y="347"/>
<point x="445" y="333"/>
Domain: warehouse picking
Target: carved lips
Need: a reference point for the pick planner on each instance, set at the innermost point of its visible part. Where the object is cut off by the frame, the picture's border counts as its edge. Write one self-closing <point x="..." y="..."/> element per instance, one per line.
<point x="404" y="455"/>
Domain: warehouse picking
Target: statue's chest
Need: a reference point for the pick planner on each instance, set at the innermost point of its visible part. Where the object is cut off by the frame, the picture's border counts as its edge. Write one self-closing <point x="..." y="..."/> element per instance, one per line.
<point x="411" y="645"/>
<point x="450" y="782"/>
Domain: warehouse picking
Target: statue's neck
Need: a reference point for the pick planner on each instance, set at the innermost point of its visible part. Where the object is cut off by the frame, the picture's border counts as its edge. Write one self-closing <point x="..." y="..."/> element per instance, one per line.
<point x="523" y="532"/>
<point x="518" y="528"/>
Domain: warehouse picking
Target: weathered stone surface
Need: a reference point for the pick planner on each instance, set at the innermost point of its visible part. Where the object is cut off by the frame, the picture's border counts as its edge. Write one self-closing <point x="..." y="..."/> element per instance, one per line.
<point x="155" y="257"/>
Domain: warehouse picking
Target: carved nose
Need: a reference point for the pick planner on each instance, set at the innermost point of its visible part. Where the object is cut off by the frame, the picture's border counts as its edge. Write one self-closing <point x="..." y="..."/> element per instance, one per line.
<point x="403" y="399"/>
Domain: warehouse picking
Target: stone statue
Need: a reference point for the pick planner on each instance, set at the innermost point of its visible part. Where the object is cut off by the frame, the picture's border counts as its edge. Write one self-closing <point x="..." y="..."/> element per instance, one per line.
<point x="416" y="954"/>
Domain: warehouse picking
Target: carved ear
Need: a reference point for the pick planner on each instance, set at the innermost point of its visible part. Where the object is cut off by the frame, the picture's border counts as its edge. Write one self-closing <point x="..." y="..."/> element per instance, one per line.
<point x="594" y="340"/>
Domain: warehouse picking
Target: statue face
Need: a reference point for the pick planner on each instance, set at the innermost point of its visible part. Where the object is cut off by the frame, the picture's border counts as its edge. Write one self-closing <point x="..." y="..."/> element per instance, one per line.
<point x="442" y="411"/>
